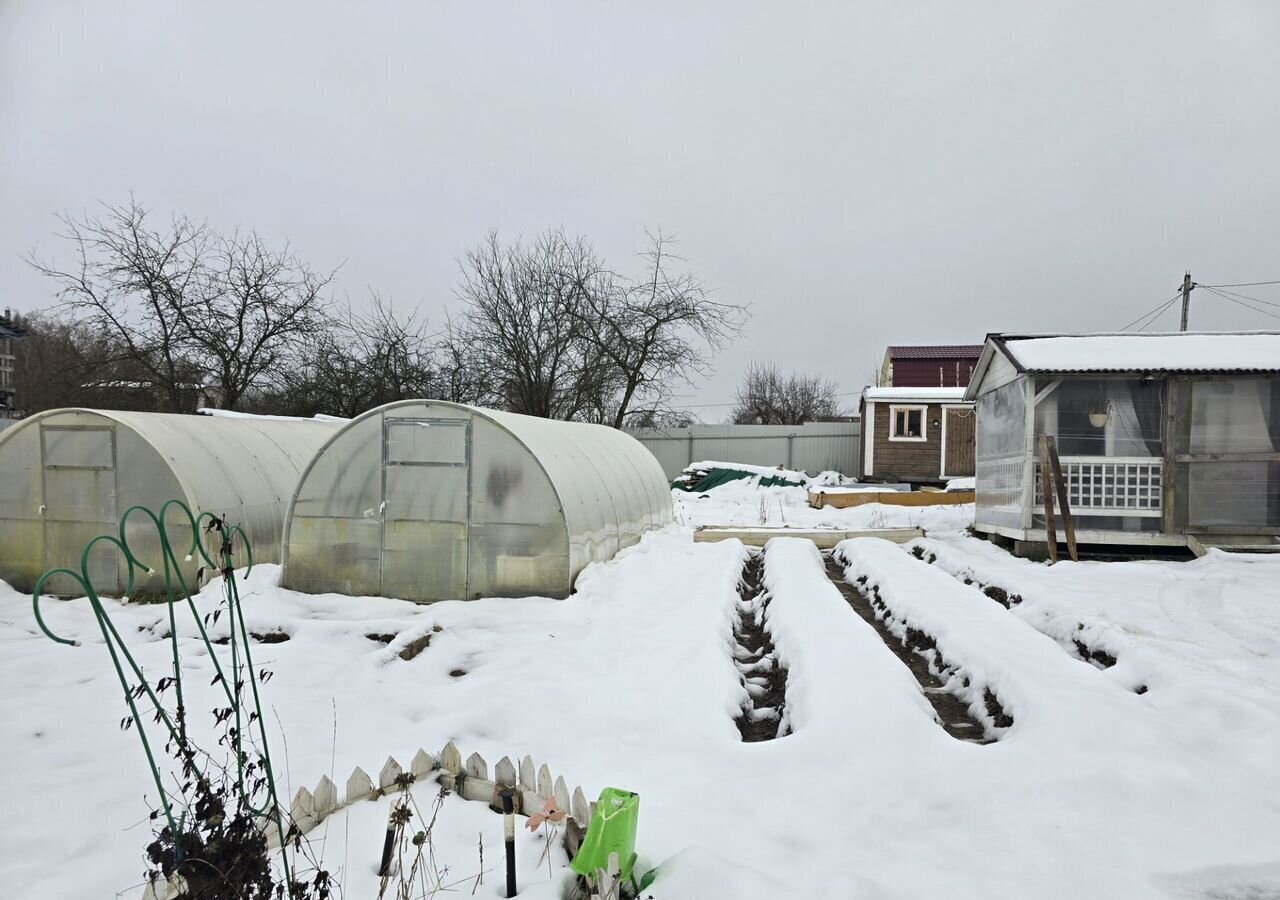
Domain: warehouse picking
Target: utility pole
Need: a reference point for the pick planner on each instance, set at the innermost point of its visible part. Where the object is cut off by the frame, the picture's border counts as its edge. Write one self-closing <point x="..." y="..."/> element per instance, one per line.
<point x="1187" y="285"/>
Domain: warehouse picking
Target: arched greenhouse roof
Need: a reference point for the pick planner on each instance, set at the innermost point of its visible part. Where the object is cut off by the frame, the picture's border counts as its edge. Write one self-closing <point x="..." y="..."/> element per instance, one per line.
<point x="69" y="474"/>
<point x="431" y="500"/>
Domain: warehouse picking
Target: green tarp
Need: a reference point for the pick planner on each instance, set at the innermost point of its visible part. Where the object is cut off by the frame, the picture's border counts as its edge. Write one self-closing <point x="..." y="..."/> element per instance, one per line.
<point x="716" y="477"/>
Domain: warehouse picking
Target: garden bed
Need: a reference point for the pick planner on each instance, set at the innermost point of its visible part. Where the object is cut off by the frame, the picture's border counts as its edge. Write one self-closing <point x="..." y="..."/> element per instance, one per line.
<point x="918" y="652"/>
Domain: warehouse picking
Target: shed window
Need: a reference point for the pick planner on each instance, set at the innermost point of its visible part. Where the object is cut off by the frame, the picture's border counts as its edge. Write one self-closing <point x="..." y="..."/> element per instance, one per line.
<point x="906" y="423"/>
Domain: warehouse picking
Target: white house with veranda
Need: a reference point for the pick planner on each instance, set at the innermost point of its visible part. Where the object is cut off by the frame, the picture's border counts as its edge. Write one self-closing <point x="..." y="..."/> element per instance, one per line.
<point x="1164" y="439"/>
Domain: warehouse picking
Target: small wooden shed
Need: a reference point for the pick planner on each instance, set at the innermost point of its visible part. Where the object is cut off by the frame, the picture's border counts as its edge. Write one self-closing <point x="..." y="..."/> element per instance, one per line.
<point x="918" y="435"/>
<point x="1165" y="439"/>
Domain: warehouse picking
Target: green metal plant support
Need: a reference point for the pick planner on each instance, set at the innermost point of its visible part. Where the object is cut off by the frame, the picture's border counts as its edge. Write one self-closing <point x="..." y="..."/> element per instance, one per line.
<point x="139" y="693"/>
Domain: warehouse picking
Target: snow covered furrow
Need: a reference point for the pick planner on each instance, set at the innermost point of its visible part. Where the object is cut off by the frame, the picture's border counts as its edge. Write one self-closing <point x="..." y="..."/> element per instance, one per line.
<point x="1006" y="671"/>
<point x="1087" y="640"/>
<point x="915" y="651"/>
<point x="764" y="678"/>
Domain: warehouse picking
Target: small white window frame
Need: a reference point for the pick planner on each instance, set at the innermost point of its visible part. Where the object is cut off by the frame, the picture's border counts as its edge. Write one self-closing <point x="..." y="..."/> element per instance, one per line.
<point x="924" y="422"/>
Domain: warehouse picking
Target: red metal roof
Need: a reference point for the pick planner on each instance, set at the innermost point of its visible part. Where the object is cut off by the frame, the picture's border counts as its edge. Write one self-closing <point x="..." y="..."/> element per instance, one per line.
<point x="937" y="351"/>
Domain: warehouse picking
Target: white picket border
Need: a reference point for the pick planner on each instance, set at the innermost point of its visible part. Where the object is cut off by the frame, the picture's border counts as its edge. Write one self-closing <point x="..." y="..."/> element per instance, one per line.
<point x="469" y="780"/>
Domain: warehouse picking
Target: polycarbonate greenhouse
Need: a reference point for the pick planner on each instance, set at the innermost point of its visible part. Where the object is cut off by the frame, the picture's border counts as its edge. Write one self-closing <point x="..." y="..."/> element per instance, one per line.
<point x="427" y="500"/>
<point x="67" y="475"/>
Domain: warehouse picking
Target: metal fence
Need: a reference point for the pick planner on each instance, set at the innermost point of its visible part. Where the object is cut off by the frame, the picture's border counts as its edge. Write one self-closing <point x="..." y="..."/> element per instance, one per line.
<point x="813" y="447"/>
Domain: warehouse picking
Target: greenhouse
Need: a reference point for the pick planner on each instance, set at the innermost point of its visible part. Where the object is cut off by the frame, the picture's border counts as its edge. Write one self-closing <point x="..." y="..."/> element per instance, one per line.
<point x="67" y="475"/>
<point x="428" y="500"/>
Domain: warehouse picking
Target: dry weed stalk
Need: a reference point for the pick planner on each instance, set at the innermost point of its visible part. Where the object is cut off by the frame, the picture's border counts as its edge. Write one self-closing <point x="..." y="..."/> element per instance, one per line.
<point x="417" y="873"/>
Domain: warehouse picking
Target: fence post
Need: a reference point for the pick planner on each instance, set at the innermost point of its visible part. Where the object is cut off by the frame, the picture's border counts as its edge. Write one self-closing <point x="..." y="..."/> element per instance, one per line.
<point x="359" y="785"/>
<point x="1064" y="502"/>
<point x="391" y="770"/>
<point x="1046" y="480"/>
<point x="509" y="838"/>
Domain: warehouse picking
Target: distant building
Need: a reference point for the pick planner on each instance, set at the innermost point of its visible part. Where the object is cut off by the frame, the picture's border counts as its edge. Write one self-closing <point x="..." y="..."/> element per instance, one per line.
<point x="916" y="435"/>
<point x="916" y="425"/>
<point x="10" y="332"/>
<point x="931" y="366"/>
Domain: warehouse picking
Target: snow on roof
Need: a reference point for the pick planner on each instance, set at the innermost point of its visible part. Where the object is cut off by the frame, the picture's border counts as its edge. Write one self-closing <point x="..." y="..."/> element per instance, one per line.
<point x="233" y="414"/>
<point x="913" y="393"/>
<point x="1190" y="351"/>
<point x="936" y="351"/>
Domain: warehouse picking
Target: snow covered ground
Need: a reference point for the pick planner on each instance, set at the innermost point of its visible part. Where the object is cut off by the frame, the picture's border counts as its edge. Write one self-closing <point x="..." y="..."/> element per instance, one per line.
<point x="743" y="503"/>
<point x="1095" y="790"/>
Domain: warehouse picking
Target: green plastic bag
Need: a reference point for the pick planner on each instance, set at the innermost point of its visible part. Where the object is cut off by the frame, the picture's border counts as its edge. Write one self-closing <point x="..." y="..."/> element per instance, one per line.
<point x="612" y="830"/>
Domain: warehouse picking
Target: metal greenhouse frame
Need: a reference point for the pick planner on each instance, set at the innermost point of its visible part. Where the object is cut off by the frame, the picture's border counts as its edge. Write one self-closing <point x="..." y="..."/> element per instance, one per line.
<point x="67" y="475"/>
<point x="428" y="500"/>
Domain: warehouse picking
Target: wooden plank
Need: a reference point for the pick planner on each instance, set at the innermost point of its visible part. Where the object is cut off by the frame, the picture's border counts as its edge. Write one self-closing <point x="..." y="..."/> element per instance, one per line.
<point x="846" y="499"/>
<point x="359" y="785"/>
<point x="1168" y="473"/>
<point x="1050" y="536"/>
<point x="574" y="834"/>
<point x="1226" y="457"/>
<point x="824" y="538"/>
<point x="1114" y="538"/>
<point x="1064" y="503"/>
<point x="1229" y="541"/>
<point x="324" y="797"/>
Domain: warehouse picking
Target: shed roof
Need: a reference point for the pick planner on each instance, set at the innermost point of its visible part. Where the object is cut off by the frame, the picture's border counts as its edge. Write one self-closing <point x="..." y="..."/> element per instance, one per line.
<point x="1120" y="352"/>
<point x="936" y="351"/>
<point x="1187" y="351"/>
<point x="931" y="394"/>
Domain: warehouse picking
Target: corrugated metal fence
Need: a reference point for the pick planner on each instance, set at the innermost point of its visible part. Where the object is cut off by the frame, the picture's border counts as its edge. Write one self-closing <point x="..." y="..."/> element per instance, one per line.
<point x="813" y="447"/>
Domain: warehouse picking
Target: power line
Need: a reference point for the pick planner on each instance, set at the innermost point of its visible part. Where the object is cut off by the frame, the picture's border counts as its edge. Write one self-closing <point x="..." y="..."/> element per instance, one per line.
<point x="1246" y="297"/>
<point x="1241" y="284"/>
<point x="1240" y="302"/>
<point x="1159" y="309"/>
<point x="1157" y="316"/>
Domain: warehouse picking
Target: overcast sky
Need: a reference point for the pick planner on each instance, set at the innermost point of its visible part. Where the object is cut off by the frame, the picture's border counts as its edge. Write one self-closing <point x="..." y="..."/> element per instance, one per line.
<point x="859" y="174"/>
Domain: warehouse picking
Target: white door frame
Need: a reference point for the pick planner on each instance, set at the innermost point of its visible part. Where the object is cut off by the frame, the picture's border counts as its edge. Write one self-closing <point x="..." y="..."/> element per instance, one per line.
<point x="869" y="434"/>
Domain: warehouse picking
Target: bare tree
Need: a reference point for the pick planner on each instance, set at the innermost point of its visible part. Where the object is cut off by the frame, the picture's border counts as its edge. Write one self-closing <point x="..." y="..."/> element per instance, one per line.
<point x="462" y="376"/>
<point x="253" y="309"/>
<point x="767" y="397"/>
<point x="522" y="326"/>
<point x="67" y="362"/>
<point x="655" y="331"/>
<point x="129" y="281"/>
<point x="366" y="360"/>
<point x="186" y="305"/>
<point x="549" y="330"/>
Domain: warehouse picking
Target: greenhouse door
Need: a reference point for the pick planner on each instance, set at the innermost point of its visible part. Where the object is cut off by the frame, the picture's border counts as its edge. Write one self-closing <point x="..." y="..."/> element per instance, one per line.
<point x="426" y="490"/>
<point x="79" y="491"/>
